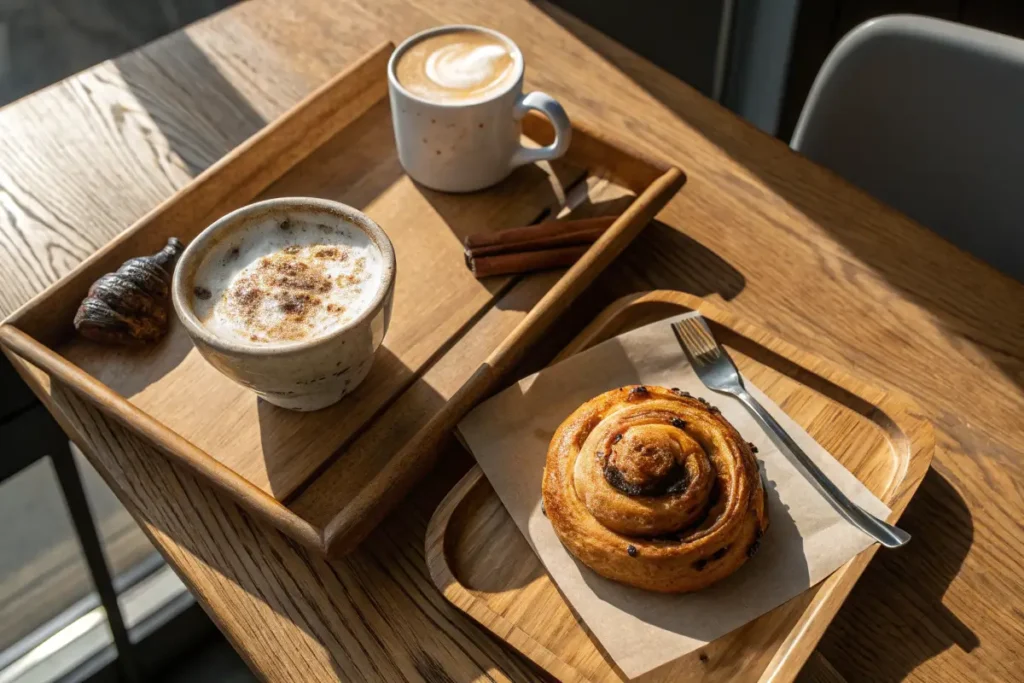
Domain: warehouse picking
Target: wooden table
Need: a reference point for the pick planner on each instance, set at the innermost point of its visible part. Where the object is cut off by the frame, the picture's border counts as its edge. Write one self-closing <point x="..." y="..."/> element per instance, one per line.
<point x="778" y="240"/>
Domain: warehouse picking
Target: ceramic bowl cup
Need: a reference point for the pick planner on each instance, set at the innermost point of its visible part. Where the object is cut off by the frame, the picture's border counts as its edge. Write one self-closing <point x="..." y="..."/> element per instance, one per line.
<point x="302" y="375"/>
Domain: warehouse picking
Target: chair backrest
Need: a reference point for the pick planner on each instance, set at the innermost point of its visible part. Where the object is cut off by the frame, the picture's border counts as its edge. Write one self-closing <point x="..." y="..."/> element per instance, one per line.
<point x="928" y="116"/>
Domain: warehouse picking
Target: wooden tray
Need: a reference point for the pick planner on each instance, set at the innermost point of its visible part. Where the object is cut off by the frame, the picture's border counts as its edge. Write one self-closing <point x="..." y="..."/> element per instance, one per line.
<point x="483" y="565"/>
<point x="326" y="478"/>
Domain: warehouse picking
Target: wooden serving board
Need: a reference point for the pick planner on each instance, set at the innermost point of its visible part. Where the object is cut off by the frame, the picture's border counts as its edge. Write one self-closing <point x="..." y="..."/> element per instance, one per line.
<point x="338" y="144"/>
<point x="483" y="565"/>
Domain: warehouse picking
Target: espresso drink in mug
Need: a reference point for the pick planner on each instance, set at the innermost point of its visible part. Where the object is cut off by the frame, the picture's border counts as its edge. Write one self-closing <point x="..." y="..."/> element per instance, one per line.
<point x="456" y="101"/>
<point x="290" y="297"/>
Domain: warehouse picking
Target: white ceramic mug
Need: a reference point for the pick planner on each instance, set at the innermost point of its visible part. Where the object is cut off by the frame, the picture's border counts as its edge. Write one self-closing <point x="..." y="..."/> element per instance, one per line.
<point x="305" y="375"/>
<point x="461" y="147"/>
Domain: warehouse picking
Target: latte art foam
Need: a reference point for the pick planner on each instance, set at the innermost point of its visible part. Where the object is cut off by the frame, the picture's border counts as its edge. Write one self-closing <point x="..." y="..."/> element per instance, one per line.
<point x="288" y="280"/>
<point x="458" y="66"/>
<point x="463" y="67"/>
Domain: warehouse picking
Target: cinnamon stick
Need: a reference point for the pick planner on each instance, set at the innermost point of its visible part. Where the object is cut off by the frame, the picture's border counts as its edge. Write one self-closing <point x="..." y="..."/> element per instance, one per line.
<point x="545" y="235"/>
<point x="525" y="261"/>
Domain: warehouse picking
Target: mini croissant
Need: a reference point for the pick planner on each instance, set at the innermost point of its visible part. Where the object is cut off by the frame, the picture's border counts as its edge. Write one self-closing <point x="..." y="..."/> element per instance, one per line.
<point x="130" y="306"/>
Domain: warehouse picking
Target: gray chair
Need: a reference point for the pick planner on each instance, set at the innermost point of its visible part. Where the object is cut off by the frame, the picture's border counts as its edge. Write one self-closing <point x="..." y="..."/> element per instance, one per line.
<point x="928" y="116"/>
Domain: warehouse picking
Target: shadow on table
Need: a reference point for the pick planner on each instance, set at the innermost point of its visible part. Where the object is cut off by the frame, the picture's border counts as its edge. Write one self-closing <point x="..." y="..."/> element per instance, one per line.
<point x="199" y="112"/>
<point x="688" y="265"/>
<point x="683" y="263"/>
<point x="527" y="195"/>
<point x="901" y="262"/>
<point x="286" y="435"/>
<point x="382" y="588"/>
<point x="136" y="367"/>
<point x="902" y="592"/>
<point x="45" y="42"/>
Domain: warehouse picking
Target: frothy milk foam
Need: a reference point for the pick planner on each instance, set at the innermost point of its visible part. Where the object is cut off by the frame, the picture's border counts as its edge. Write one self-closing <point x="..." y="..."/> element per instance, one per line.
<point x="458" y="66"/>
<point x="280" y="281"/>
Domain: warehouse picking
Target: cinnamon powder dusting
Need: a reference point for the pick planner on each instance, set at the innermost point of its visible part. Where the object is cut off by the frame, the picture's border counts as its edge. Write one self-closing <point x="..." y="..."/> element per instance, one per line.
<point x="292" y="284"/>
<point x="286" y="281"/>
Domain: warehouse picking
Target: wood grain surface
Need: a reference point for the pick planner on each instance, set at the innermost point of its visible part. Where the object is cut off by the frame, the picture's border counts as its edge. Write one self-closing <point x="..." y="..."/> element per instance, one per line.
<point x="480" y="560"/>
<point x="769" y="235"/>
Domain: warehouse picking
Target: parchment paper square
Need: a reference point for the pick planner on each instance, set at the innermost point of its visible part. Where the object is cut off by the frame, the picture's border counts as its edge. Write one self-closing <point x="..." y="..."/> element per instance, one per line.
<point x="806" y="541"/>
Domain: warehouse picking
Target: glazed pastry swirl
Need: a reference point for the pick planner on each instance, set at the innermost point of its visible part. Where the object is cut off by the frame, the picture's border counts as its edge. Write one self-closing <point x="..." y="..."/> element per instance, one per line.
<point x="654" y="488"/>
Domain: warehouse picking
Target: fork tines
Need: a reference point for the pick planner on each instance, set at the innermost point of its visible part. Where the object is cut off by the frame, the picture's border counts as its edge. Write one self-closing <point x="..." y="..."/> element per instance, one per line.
<point x="696" y="339"/>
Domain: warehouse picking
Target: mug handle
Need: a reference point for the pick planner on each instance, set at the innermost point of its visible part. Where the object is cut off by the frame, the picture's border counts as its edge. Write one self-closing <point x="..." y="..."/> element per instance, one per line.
<point x="549" y="106"/>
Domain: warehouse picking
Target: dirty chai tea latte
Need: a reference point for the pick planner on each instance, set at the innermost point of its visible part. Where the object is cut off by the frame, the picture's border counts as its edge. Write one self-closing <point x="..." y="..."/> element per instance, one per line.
<point x="284" y="280"/>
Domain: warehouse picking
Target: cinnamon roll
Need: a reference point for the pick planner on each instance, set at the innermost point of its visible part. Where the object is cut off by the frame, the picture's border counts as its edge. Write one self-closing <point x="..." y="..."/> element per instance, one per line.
<point x="654" y="488"/>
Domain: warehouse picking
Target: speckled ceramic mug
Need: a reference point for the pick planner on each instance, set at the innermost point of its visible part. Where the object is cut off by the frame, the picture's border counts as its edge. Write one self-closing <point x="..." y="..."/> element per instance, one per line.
<point x="467" y="146"/>
<point x="302" y="375"/>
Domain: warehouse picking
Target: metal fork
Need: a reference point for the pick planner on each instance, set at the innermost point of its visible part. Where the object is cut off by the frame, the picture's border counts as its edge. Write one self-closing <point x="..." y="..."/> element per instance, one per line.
<point x="717" y="371"/>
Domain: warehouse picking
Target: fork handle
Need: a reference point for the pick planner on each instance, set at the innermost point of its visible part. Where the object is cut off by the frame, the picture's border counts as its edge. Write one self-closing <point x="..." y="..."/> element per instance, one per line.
<point x="883" y="532"/>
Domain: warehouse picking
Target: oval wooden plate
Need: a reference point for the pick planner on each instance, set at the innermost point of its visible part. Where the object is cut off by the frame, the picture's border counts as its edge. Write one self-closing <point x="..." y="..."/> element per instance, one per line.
<point x="482" y="564"/>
